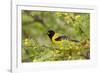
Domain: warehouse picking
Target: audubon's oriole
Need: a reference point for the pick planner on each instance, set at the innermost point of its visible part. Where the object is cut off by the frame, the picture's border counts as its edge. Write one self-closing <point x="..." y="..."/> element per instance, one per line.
<point x="59" y="39"/>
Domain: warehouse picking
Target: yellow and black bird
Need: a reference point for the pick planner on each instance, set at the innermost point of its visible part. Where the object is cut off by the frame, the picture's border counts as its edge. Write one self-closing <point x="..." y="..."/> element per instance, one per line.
<point x="57" y="38"/>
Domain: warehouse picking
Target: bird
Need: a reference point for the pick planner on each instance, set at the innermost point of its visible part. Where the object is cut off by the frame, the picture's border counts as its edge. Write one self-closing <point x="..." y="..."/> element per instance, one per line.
<point x="59" y="39"/>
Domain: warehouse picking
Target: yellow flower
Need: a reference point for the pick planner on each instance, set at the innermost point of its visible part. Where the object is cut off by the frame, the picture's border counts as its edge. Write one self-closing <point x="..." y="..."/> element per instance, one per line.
<point x="26" y="39"/>
<point x="76" y="48"/>
<point x="26" y="42"/>
<point x="58" y="14"/>
<point x="61" y="47"/>
<point x="78" y="53"/>
<point x="57" y="51"/>
<point x="77" y="17"/>
<point x="69" y="57"/>
<point x="70" y="47"/>
<point x="66" y="14"/>
<point x="34" y="60"/>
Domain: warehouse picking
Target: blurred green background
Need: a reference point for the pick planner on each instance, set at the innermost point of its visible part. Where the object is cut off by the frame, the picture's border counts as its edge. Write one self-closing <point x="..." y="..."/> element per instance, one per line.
<point x="36" y="45"/>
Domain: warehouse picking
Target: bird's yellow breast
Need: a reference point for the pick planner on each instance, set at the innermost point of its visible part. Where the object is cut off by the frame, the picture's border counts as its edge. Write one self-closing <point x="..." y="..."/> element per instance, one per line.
<point x="60" y="42"/>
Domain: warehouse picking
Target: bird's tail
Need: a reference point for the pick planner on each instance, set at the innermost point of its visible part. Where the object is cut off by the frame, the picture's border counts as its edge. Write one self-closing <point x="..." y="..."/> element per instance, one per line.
<point x="68" y="38"/>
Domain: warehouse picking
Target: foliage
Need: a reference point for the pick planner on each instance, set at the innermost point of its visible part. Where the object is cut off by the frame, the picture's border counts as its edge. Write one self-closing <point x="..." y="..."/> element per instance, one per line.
<point x="36" y="45"/>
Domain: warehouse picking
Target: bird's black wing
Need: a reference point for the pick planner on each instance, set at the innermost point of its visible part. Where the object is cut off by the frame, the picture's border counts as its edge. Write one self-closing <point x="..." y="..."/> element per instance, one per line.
<point x="62" y="37"/>
<point x="65" y="38"/>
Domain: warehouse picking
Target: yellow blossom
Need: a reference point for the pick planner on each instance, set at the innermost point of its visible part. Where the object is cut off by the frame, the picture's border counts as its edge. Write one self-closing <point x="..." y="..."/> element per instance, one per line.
<point x="69" y="57"/>
<point x="78" y="53"/>
<point x="26" y="42"/>
<point x="77" y="17"/>
<point x="66" y="14"/>
<point x="57" y="51"/>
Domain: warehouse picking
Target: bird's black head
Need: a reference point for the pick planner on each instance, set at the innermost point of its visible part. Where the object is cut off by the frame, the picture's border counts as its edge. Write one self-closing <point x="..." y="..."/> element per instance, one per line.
<point x="51" y="33"/>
